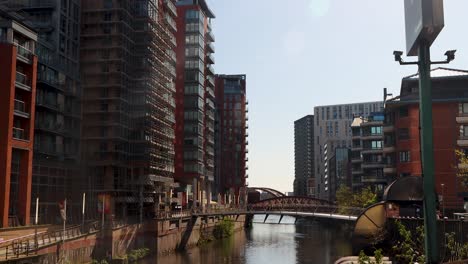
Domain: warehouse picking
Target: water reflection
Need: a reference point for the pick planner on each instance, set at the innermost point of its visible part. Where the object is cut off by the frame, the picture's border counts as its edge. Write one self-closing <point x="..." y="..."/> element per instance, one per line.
<point x="304" y="242"/>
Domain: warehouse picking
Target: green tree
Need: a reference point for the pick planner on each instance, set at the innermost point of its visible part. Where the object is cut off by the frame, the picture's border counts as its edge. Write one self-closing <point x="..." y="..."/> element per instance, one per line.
<point x="345" y="198"/>
<point x="462" y="168"/>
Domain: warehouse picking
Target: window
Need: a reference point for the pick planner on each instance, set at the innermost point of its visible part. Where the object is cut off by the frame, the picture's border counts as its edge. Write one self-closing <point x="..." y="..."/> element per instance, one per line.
<point x="464" y="108"/>
<point x="464" y="131"/>
<point x="404" y="112"/>
<point x="376" y="144"/>
<point x="376" y="130"/>
<point x="403" y="133"/>
<point x="404" y="156"/>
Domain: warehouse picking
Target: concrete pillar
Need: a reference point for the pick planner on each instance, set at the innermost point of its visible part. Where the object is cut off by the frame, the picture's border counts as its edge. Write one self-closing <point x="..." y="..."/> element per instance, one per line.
<point x="24" y="188"/>
<point x="195" y="193"/>
<point x="208" y="194"/>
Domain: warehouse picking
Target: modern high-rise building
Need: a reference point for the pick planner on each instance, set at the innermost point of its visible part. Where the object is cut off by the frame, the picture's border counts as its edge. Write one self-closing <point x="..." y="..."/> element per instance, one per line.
<point x="450" y="132"/>
<point x="332" y="126"/>
<point x="194" y="161"/>
<point x="367" y="153"/>
<point x="127" y="58"/>
<point x="231" y="136"/>
<point x="18" y="69"/>
<point x="303" y="155"/>
<point x="57" y="139"/>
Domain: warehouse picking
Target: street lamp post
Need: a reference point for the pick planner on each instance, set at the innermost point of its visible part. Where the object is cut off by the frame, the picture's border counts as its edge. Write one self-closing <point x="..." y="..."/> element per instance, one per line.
<point x="443" y="200"/>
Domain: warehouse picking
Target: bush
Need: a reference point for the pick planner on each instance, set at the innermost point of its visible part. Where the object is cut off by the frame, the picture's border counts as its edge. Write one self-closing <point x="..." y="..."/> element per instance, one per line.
<point x="224" y="228"/>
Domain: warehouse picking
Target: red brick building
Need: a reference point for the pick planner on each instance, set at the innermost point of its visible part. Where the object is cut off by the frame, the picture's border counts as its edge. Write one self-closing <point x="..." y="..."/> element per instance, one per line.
<point x="18" y="70"/>
<point x="401" y="132"/>
<point x="231" y="136"/>
<point x="194" y="144"/>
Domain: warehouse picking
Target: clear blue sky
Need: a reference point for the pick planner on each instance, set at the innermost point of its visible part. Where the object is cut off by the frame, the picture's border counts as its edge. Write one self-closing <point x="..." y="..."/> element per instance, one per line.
<point x="303" y="53"/>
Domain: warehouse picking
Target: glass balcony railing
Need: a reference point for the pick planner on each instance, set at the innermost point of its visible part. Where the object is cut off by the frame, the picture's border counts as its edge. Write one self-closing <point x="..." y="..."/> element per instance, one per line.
<point x="170" y="5"/>
<point x="20" y="107"/>
<point x="23" y="52"/>
<point x="23" y="80"/>
<point x="18" y="133"/>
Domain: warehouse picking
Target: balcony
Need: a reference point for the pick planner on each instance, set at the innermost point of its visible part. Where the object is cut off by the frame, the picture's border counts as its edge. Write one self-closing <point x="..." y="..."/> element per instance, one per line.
<point x="210" y="80"/>
<point x="356" y="160"/>
<point x="210" y="47"/>
<point x="22" y="81"/>
<point x="210" y="36"/>
<point x="388" y="128"/>
<point x="462" y="142"/>
<point x="20" y="109"/>
<point x="388" y="169"/>
<point x="369" y="136"/>
<point x="372" y="150"/>
<point x="210" y="92"/>
<point x="356" y="148"/>
<point x="171" y="7"/>
<point x="172" y="24"/>
<point x="462" y="118"/>
<point x="210" y="69"/>
<point x="24" y="54"/>
<point x="18" y="133"/>
<point x="356" y="172"/>
<point x="372" y="165"/>
<point x="356" y="136"/>
<point x="373" y="179"/>
<point x="210" y="59"/>
<point x="389" y="149"/>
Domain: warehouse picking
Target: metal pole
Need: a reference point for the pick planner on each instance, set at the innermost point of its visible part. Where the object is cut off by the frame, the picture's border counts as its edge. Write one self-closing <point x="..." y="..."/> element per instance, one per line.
<point x="35" y="222"/>
<point x="427" y="153"/>
<point x="83" y="210"/>
<point x="64" y="219"/>
<point x="103" y="208"/>
<point x="443" y="200"/>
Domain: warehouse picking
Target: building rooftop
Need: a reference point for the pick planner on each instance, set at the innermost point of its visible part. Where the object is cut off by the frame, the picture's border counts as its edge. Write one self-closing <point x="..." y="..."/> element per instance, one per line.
<point x="441" y="72"/>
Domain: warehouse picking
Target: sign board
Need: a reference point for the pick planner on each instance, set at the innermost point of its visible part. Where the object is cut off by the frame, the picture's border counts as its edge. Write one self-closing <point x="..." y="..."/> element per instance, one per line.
<point x="104" y="202"/>
<point x="424" y="19"/>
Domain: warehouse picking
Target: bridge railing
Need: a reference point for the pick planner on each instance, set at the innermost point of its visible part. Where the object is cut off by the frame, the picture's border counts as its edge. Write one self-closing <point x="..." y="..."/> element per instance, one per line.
<point x="29" y="245"/>
<point x="322" y="209"/>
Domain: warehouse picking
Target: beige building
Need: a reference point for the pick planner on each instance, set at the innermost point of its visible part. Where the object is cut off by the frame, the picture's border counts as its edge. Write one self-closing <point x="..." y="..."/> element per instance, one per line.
<point x="332" y="129"/>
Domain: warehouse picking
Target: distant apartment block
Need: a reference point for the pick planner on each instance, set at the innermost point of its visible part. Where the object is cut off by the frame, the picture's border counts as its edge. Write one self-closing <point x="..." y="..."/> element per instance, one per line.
<point x="18" y="71"/>
<point x="127" y="58"/>
<point x="450" y="130"/>
<point x="304" y="155"/>
<point x="367" y="153"/>
<point x="332" y="126"/>
<point x="231" y="139"/>
<point x="194" y="161"/>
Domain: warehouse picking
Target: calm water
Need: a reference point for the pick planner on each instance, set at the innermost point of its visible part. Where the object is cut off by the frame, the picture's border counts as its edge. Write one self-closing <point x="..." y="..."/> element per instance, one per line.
<point x="304" y="242"/>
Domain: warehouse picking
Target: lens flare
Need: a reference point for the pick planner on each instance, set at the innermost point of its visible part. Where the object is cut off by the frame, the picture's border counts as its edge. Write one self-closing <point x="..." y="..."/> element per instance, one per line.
<point x="319" y="8"/>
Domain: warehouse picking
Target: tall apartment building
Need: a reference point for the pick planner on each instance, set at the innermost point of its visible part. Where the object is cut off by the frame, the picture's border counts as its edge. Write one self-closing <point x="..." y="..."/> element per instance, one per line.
<point x="367" y="153"/>
<point x="57" y="139"/>
<point x="195" y="101"/>
<point x="18" y="69"/>
<point x="450" y="130"/>
<point x="231" y="136"/>
<point x="332" y="124"/>
<point x="128" y="73"/>
<point x="304" y="155"/>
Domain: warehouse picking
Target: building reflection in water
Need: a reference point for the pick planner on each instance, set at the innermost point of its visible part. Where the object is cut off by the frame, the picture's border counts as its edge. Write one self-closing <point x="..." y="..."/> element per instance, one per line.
<point x="271" y="243"/>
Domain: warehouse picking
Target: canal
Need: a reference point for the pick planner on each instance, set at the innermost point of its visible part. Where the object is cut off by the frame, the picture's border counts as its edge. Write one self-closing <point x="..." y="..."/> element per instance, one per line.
<point x="306" y="241"/>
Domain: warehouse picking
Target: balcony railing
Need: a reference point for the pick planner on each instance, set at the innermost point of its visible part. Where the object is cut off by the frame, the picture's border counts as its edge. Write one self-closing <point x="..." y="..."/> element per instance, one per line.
<point x="23" y="81"/>
<point x="171" y="22"/>
<point x="210" y="59"/>
<point x="23" y="52"/>
<point x="20" y="107"/>
<point x="170" y="5"/>
<point x="210" y="36"/>
<point x="210" y="47"/>
<point x="18" y="133"/>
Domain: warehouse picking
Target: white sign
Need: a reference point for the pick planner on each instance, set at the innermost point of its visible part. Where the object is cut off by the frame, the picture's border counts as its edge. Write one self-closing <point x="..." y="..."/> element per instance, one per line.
<point x="424" y="19"/>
